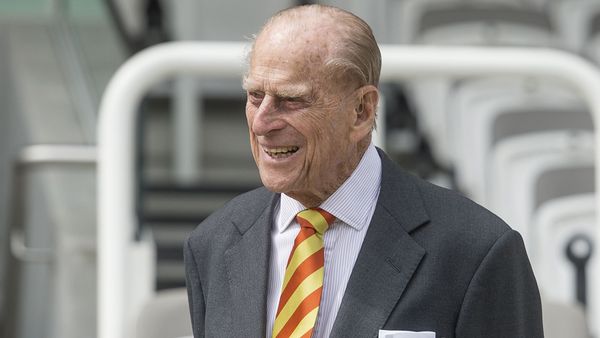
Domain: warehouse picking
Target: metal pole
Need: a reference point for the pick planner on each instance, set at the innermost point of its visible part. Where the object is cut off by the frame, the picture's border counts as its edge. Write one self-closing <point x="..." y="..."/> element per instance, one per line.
<point x="188" y="111"/>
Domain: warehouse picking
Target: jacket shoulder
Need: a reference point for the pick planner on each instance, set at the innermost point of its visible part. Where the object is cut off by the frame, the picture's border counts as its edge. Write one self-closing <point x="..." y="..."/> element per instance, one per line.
<point x="459" y="213"/>
<point x="452" y="220"/>
<point x="241" y="208"/>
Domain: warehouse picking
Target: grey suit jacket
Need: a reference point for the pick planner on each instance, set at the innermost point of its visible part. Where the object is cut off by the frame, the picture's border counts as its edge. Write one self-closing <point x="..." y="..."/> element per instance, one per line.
<point x="431" y="261"/>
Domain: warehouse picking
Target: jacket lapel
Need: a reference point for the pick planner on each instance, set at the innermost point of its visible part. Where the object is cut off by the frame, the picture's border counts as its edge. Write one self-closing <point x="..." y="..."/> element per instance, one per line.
<point x="248" y="268"/>
<point x="388" y="258"/>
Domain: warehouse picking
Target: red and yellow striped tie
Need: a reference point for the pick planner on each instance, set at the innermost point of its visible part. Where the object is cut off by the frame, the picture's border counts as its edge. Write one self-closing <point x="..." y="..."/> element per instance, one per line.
<point x="303" y="281"/>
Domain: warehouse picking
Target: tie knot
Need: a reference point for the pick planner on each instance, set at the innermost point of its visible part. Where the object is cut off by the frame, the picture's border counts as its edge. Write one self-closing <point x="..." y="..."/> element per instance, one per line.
<point x="315" y="218"/>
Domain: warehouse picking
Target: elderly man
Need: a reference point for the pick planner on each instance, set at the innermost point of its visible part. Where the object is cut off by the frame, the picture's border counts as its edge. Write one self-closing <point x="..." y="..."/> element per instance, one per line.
<point x="340" y="242"/>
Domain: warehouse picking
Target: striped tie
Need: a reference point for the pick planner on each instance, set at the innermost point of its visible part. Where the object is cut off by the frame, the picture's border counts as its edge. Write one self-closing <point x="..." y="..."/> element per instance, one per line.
<point x="303" y="281"/>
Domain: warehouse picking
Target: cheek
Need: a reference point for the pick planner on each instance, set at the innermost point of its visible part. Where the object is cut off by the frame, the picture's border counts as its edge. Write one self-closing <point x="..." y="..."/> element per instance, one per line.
<point x="326" y="127"/>
<point x="249" y="120"/>
<point x="312" y="128"/>
<point x="320" y="133"/>
<point x="249" y="114"/>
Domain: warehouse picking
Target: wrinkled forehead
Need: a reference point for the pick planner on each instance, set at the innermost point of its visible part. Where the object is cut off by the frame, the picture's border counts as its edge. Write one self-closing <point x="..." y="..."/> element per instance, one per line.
<point x="291" y="53"/>
<point x="307" y="35"/>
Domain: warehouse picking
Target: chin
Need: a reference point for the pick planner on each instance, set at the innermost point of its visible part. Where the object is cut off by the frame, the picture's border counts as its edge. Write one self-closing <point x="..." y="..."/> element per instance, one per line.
<point x="274" y="185"/>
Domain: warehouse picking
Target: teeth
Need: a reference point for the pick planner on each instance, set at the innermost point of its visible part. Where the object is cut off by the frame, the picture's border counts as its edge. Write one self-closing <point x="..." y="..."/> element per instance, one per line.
<point x="281" y="150"/>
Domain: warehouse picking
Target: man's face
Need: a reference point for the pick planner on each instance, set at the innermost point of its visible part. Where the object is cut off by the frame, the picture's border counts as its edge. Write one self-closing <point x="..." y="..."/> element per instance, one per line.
<point x="300" y="120"/>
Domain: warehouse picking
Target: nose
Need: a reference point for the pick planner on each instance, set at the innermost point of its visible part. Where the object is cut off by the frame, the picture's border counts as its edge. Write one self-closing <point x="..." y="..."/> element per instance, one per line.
<point x="266" y="118"/>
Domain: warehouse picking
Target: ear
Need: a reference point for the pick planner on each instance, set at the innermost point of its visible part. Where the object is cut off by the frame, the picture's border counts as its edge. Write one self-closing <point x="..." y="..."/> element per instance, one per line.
<point x="365" y="111"/>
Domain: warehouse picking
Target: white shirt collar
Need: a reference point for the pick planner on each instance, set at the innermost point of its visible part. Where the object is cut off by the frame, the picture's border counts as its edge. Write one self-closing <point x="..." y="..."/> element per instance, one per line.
<point x="351" y="202"/>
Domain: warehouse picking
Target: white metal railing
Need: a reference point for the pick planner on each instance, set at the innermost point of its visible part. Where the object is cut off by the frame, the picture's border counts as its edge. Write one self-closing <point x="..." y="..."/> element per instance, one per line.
<point x="25" y="246"/>
<point x="118" y="301"/>
<point x="35" y="156"/>
<point x="135" y="77"/>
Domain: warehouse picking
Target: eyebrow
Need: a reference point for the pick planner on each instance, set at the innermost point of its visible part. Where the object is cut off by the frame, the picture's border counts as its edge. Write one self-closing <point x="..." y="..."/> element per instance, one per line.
<point x="285" y="90"/>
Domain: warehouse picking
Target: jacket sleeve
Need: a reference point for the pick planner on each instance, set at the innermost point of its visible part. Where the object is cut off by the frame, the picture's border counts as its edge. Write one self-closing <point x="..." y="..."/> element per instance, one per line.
<point x="194" y="289"/>
<point x="502" y="299"/>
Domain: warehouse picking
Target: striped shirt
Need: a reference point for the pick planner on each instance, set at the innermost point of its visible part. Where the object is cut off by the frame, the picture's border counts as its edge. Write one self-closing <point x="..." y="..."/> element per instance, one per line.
<point x="353" y="205"/>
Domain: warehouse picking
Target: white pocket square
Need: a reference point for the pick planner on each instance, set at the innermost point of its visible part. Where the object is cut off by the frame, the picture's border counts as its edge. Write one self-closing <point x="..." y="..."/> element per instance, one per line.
<point x="405" y="334"/>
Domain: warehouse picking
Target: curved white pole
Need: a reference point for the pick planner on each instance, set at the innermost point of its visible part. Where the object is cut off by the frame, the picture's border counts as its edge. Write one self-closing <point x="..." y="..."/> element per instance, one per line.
<point x="124" y="92"/>
<point x="116" y="209"/>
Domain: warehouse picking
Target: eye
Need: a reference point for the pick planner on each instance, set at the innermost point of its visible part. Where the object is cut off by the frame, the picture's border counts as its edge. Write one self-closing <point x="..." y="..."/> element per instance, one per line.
<point x="256" y="96"/>
<point x="294" y="102"/>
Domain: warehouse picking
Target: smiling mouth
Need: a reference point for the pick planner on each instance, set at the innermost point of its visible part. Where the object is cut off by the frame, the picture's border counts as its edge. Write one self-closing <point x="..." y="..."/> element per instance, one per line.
<point x="281" y="152"/>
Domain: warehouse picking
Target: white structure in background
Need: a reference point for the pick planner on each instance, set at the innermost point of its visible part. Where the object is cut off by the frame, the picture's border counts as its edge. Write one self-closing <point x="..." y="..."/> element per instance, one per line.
<point x="193" y="20"/>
